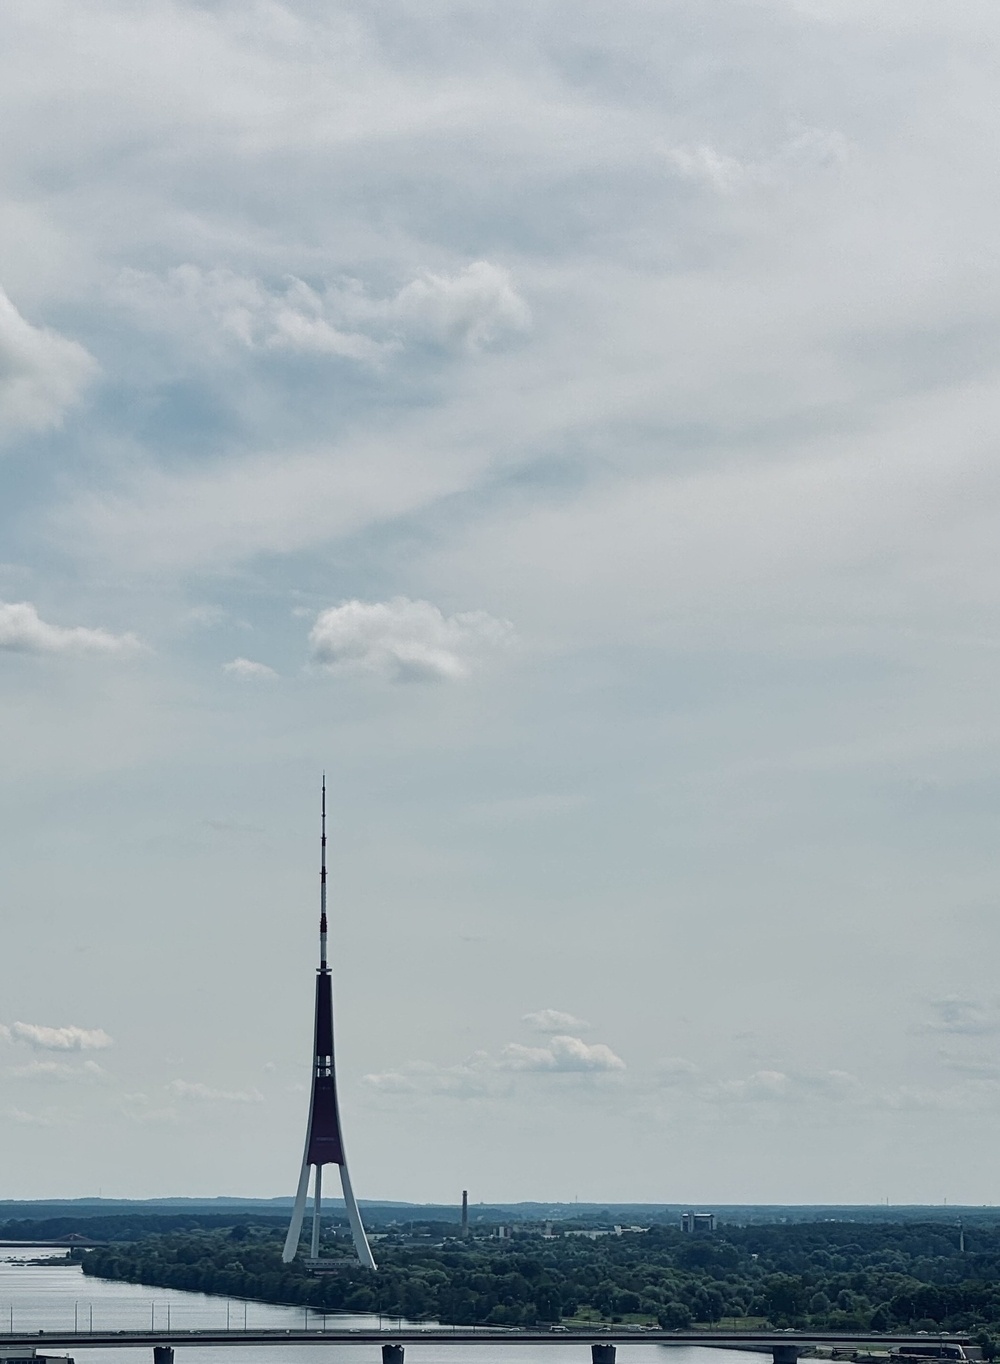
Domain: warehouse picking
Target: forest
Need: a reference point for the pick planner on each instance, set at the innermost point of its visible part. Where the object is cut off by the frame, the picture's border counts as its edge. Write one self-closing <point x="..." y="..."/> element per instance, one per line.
<point x="837" y="1275"/>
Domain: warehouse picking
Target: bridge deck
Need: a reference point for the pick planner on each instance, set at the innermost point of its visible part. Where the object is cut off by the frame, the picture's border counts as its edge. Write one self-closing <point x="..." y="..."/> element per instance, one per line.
<point x="466" y="1335"/>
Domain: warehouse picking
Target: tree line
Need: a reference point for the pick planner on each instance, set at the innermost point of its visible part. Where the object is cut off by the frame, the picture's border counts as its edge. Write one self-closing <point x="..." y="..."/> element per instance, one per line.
<point x="838" y="1276"/>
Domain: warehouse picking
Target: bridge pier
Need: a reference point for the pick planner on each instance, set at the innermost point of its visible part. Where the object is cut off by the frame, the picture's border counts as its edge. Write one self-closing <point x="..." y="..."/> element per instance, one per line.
<point x="163" y="1354"/>
<point x="392" y="1354"/>
<point x="787" y="1353"/>
<point x="602" y="1353"/>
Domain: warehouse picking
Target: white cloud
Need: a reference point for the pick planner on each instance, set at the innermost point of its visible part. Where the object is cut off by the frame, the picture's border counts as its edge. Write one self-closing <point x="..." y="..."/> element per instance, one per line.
<point x="471" y="309"/>
<point x="390" y="1082"/>
<point x="71" y="1038"/>
<point x="403" y="640"/>
<point x="205" y="1093"/>
<point x="564" y="1054"/>
<point x="922" y="1098"/>
<point x="27" y="1119"/>
<point x="267" y="503"/>
<point x="482" y="1074"/>
<point x="293" y="318"/>
<point x="61" y="1071"/>
<point x="138" y="1107"/>
<point x="761" y="1085"/>
<point x="248" y="668"/>
<point x="23" y="631"/>
<point x="553" y="1020"/>
<point x="467" y="310"/>
<point x="776" y="1086"/>
<point x="722" y="172"/>
<point x="470" y="1079"/>
<point x="41" y="372"/>
<point x="676" y="1070"/>
<point x="207" y="616"/>
<point x="806" y="149"/>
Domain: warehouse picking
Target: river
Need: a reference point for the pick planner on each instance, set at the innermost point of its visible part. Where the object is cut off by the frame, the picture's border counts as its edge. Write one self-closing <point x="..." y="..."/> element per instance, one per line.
<point x="58" y="1297"/>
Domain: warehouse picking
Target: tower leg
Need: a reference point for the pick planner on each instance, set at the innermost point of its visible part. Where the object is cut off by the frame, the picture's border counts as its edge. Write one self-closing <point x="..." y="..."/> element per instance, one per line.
<point x="354" y="1217"/>
<point x="317" y="1209"/>
<point x="298" y="1212"/>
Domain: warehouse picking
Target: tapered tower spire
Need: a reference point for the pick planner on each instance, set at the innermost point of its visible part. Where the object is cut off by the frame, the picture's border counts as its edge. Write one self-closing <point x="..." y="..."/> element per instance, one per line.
<point x="324" y="1141"/>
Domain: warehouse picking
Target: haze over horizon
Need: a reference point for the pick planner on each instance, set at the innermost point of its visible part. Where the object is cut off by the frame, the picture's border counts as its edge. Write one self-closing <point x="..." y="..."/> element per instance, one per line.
<point x="573" y="429"/>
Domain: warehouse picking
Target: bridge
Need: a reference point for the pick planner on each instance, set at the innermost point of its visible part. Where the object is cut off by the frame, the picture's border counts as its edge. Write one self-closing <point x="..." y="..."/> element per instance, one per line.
<point x="785" y="1347"/>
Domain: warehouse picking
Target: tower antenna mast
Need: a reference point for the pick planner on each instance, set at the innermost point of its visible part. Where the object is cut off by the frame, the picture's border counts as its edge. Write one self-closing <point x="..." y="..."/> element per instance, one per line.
<point x="324" y="1137"/>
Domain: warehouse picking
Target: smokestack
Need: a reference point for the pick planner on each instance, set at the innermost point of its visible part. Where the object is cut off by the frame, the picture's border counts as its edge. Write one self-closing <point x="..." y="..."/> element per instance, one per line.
<point x="465" y="1212"/>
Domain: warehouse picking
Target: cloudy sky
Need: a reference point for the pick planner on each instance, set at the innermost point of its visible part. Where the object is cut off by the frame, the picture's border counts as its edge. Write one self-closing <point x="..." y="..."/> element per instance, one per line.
<point x="573" y="426"/>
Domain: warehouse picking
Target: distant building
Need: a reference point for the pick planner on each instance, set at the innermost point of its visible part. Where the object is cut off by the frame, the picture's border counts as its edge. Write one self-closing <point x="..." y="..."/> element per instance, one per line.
<point x="693" y="1222"/>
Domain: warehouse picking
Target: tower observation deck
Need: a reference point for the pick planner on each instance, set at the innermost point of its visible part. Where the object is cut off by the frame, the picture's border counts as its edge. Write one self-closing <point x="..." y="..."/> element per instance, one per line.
<point x="324" y="1134"/>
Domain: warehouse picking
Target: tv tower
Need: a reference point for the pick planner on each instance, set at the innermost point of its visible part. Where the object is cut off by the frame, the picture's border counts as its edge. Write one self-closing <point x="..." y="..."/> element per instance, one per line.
<point x="324" y="1140"/>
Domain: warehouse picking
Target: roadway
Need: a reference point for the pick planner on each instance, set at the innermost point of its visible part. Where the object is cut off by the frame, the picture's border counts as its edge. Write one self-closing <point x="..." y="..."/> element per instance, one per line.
<point x="467" y="1335"/>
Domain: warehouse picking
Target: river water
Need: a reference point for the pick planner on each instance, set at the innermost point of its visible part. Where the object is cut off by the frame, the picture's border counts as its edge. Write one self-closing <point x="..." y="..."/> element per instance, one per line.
<point x="58" y="1297"/>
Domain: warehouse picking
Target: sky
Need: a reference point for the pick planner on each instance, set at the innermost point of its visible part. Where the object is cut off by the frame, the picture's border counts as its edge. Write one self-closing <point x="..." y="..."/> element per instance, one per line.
<point x="571" y="426"/>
